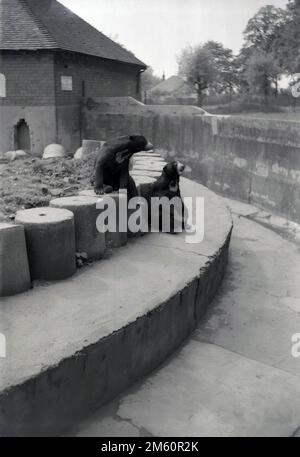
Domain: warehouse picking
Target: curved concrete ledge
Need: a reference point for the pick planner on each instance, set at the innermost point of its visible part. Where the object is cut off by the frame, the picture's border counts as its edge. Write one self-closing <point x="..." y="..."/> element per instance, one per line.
<point x="74" y="345"/>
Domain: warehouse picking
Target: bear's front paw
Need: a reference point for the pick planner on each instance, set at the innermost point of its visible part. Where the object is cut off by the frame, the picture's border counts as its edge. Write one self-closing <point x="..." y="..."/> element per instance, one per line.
<point x="108" y="189"/>
<point x="99" y="191"/>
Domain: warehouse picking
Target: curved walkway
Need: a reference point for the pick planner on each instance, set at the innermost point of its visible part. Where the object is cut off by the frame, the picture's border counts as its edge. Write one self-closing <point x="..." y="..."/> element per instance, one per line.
<point x="236" y="375"/>
<point x="73" y="345"/>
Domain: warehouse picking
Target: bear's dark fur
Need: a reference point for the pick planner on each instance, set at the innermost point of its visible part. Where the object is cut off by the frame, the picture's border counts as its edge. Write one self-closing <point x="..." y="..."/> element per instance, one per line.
<point x="167" y="185"/>
<point x="112" y="164"/>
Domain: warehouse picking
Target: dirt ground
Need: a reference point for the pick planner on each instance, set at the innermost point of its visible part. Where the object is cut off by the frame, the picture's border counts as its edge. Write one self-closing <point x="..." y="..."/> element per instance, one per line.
<point x="33" y="182"/>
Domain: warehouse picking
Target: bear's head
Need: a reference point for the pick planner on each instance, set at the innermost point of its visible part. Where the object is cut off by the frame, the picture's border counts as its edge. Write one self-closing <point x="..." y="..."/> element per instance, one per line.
<point x="129" y="145"/>
<point x="138" y="143"/>
<point x="173" y="171"/>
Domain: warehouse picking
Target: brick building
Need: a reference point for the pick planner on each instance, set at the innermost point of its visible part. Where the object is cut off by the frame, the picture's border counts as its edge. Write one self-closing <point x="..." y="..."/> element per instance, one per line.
<point x="50" y="60"/>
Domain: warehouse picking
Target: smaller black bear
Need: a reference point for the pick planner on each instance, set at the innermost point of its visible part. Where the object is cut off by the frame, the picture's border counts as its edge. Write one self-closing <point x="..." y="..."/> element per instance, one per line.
<point x="112" y="164"/>
<point x="167" y="185"/>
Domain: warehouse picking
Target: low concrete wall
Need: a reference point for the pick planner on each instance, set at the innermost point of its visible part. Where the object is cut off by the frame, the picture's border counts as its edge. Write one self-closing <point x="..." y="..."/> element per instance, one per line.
<point x="254" y="160"/>
<point x="74" y="345"/>
<point x="129" y="105"/>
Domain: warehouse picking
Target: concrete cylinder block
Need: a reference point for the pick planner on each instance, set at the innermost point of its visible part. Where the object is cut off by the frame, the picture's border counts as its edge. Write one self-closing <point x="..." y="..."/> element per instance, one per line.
<point x="14" y="268"/>
<point x="150" y="166"/>
<point x="152" y="174"/>
<point x="78" y="154"/>
<point x="90" y="147"/>
<point x="88" y="238"/>
<point x="138" y="217"/>
<point x="148" y="154"/>
<point x="141" y="179"/>
<point x="50" y="237"/>
<point x="145" y="159"/>
<point x="118" y="238"/>
<point x="148" y="160"/>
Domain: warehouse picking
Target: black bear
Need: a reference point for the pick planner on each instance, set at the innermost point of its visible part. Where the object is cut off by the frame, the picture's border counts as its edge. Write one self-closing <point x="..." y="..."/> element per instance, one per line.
<point x="112" y="164"/>
<point x="167" y="185"/>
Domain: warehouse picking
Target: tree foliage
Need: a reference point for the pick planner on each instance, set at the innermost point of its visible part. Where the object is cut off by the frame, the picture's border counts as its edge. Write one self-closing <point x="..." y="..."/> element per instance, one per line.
<point x="287" y="41"/>
<point x="270" y="50"/>
<point x="196" y="65"/>
<point x="226" y="77"/>
<point x="264" y="28"/>
<point x="262" y="72"/>
<point x="209" y="68"/>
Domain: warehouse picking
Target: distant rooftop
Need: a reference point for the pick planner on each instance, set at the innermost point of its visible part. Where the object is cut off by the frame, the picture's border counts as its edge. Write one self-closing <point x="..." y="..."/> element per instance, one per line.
<point x="169" y="86"/>
<point x="47" y="24"/>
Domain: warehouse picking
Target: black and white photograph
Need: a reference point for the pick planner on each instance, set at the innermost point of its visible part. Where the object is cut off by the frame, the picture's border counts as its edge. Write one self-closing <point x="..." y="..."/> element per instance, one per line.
<point x="149" y="222"/>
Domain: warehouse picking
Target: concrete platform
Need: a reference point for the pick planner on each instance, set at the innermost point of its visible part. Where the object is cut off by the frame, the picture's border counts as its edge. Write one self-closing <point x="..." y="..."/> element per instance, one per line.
<point x="74" y="345"/>
<point x="236" y="375"/>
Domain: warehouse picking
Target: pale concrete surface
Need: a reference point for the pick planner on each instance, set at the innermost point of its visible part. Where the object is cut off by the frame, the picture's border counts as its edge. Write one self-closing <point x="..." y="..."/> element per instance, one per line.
<point x="50" y="241"/>
<point x="56" y="320"/>
<point x="14" y="267"/>
<point x="236" y="376"/>
<point x="287" y="229"/>
<point x="87" y="238"/>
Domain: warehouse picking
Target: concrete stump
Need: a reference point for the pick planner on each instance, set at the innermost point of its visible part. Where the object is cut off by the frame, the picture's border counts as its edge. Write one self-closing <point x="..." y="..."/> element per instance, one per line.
<point x="151" y="174"/>
<point x="78" y="154"/>
<point x="14" y="268"/>
<point x="150" y="166"/>
<point x="141" y="179"/>
<point x="114" y="239"/>
<point x="147" y="159"/>
<point x="148" y="154"/>
<point x="117" y="239"/>
<point x="120" y="239"/>
<point x="89" y="147"/>
<point x="142" y="220"/>
<point x="50" y="237"/>
<point x="87" y="237"/>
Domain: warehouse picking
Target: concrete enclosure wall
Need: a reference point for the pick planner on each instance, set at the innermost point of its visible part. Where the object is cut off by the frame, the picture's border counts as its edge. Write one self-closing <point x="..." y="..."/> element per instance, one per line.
<point x="254" y="160"/>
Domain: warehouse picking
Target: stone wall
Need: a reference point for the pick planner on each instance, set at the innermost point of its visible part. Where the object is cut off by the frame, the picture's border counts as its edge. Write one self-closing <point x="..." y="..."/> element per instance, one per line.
<point x="254" y="160"/>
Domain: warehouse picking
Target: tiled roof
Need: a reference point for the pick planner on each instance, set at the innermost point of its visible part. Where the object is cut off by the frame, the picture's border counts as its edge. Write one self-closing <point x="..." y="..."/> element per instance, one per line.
<point x="46" y="24"/>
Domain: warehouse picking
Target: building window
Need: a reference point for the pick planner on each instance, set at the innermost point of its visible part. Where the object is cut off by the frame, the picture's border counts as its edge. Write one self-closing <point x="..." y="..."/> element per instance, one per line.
<point x="67" y="83"/>
<point x="2" y="86"/>
<point x="83" y="89"/>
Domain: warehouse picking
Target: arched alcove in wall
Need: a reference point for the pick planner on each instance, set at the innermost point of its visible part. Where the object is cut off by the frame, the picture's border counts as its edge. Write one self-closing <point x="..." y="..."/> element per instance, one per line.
<point x="22" y="136"/>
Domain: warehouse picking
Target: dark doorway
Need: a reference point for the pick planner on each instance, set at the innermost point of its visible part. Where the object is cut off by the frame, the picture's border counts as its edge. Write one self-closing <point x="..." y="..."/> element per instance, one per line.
<point x="22" y="136"/>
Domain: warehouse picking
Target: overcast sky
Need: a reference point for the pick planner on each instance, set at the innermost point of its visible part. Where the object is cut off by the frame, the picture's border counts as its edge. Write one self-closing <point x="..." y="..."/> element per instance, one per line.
<point x="157" y="30"/>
